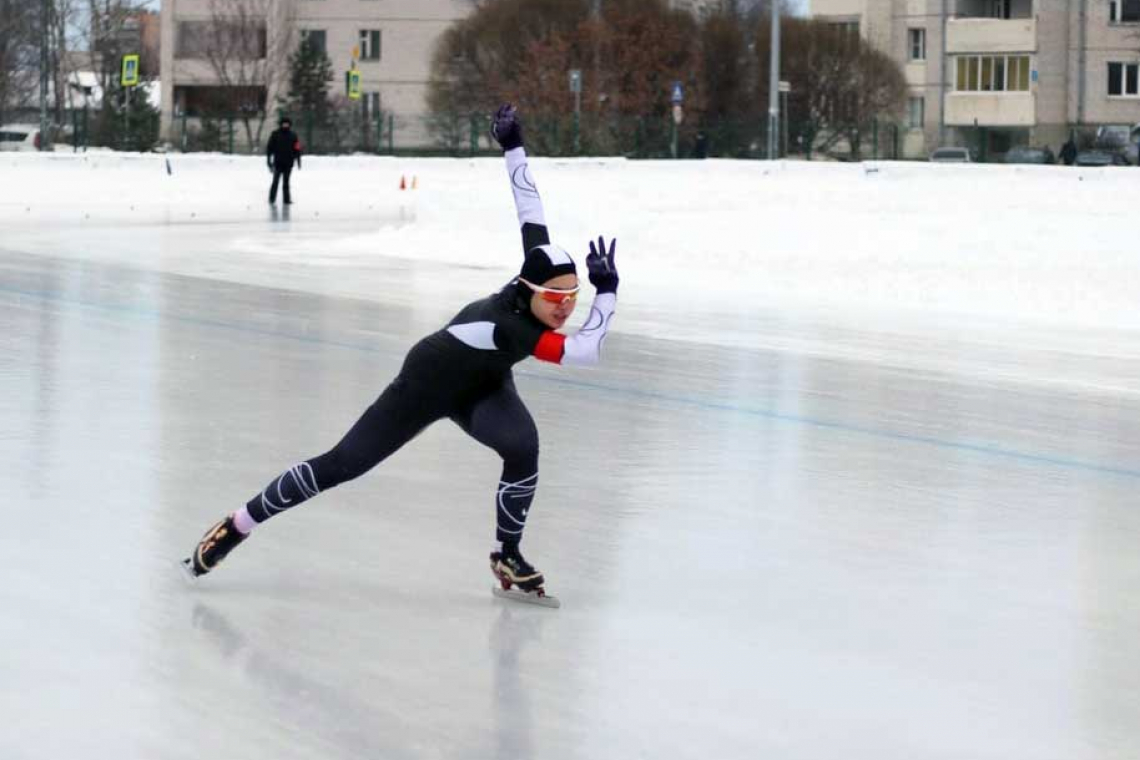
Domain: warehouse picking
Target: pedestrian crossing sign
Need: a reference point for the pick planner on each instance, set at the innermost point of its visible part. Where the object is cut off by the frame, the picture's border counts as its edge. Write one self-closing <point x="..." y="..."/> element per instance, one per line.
<point x="130" y="76"/>
<point x="354" y="84"/>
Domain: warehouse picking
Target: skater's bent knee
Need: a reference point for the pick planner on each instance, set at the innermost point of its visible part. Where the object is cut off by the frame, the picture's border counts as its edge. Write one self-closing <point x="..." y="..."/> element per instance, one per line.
<point x="521" y="452"/>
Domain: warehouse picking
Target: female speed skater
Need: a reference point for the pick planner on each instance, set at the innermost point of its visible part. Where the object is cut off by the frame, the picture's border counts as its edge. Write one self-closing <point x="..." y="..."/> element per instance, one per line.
<point x="463" y="373"/>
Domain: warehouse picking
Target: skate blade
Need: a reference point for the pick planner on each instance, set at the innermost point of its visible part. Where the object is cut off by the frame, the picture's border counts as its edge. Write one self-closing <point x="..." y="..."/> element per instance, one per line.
<point x="529" y="597"/>
<point x="186" y="570"/>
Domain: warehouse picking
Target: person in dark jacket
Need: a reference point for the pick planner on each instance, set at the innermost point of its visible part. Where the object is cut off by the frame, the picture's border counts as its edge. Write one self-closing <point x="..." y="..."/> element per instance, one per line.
<point x="284" y="147"/>
<point x="1069" y="152"/>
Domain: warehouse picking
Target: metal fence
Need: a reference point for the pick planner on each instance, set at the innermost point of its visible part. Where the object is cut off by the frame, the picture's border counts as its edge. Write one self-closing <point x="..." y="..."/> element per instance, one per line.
<point x="387" y="133"/>
<point x="638" y="137"/>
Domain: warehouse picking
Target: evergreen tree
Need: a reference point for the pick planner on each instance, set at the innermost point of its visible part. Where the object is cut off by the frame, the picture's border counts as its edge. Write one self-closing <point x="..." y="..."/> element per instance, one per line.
<point x="122" y="127"/>
<point x="310" y="74"/>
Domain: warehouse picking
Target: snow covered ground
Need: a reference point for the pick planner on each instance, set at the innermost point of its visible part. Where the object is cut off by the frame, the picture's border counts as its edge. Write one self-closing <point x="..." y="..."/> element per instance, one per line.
<point x="1023" y="254"/>
<point x="855" y="479"/>
<point x="1053" y="245"/>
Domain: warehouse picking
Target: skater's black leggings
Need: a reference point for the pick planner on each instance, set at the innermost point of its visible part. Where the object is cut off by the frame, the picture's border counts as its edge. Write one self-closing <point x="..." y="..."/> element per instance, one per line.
<point x="498" y="420"/>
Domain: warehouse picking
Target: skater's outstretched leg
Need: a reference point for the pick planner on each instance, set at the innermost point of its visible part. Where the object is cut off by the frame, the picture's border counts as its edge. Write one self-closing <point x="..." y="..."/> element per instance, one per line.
<point x="393" y="420"/>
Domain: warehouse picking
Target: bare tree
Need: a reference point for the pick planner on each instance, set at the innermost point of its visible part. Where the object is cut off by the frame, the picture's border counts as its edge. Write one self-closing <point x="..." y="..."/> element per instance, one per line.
<point x="485" y="57"/>
<point x="840" y="84"/>
<point x="105" y="35"/>
<point x="816" y="58"/>
<point x="247" y="44"/>
<point x="62" y="35"/>
<point x="523" y="50"/>
<point x="874" y="88"/>
<point x="19" y="55"/>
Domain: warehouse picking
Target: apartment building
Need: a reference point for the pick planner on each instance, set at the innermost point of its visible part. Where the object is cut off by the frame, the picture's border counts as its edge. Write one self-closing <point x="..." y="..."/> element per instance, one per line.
<point x="390" y="42"/>
<point x="992" y="74"/>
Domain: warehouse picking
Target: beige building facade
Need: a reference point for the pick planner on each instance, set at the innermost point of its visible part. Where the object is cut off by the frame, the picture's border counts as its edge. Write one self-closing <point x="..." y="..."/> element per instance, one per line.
<point x="390" y="42"/>
<point x="994" y="74"/>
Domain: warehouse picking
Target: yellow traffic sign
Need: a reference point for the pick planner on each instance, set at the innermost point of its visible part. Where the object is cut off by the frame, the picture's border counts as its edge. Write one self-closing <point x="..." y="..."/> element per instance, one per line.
<point x="354" y="84"/>
<point x="130" y="76"/>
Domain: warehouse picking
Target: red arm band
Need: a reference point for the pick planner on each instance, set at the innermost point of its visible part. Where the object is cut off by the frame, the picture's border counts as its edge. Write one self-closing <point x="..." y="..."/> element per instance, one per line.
<point x="549" y="348"/>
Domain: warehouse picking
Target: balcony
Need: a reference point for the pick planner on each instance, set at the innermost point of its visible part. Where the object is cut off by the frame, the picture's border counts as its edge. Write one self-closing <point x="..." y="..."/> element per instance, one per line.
<point x="991" y="109"/>
<point x="991" y="35"/>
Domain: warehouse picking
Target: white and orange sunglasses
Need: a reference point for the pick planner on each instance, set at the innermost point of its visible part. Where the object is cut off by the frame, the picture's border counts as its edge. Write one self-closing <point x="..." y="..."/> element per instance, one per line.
<point x="553" y="295"/>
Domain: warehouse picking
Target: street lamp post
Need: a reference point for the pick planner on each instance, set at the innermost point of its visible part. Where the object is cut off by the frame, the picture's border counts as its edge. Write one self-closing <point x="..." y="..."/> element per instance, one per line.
<point x="45" y="7"/>
<point x="774" y="84"/>
<point x="576" y="88"/>
<point x="785" y="90"/>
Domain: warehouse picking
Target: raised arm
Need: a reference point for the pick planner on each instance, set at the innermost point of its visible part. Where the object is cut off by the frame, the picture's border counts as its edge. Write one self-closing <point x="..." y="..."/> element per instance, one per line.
<point x="506" y="128"/>
<point x="584" y="347"/>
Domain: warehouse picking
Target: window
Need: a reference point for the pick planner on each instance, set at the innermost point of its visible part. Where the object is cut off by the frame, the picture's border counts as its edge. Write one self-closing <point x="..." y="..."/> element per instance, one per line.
<point x="370" y="44"/>
<point x="217" y="100"/>
<point x="999" y="8"/>
<point x="1123" y="79"/>
<point x="241" y="40"/>
<point x="1013" y="72"/>
<point x="992" y="73"/>
<point x="462" y="48"/>
<point x="917" y="39"/>
<point x="317" y="38"/>
<point x="370" y="106"/>
<point x="846" y="28"/>
<point x="915" y="112"/>
<point x="1124" y="11"/>
<point x="191" y="40"/>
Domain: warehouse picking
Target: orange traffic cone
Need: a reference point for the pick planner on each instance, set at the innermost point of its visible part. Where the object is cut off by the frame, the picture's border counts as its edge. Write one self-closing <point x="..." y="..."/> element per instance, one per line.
<point x="403" y="182"/>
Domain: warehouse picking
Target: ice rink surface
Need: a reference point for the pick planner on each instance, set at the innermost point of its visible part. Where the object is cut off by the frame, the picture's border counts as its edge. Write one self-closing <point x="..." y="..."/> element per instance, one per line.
<point x="771" y="547"/>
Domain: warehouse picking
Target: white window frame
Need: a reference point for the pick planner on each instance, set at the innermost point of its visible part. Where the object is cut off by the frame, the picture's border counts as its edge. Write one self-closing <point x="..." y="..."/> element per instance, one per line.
<point x="916" y="44"/>
<point x="1116" y="13"/>
<point x="1010" y="69"/>
<point x="920" y="122"/>
<point x="305" y="33"/>
<point x="371" y="105"/>
<point x="365" y="40"/>
<point x="846" y="27"/>
<point x="1124" y="93"/>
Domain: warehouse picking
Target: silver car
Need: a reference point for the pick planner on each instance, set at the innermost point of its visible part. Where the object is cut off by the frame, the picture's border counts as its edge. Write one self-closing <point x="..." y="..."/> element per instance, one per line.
<point x="1117" y="139"/>
<point x="951" y="155"/>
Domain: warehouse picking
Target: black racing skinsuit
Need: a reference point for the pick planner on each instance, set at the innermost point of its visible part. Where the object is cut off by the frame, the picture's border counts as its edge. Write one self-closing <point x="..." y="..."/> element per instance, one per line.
<point x="443" y="376"/>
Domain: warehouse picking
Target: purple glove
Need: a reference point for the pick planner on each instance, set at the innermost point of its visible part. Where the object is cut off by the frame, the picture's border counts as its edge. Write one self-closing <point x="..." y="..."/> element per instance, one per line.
<point x="600" y="263"/>
<point x="506" y="127"/>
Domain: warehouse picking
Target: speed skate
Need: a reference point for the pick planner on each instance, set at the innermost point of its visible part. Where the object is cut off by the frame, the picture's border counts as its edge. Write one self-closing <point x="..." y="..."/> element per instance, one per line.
<point x="538" y="596"/>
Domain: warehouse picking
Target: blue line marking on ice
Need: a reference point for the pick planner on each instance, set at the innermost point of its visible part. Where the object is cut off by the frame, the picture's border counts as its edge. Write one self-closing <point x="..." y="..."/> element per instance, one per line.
<point x="977" y="448"/>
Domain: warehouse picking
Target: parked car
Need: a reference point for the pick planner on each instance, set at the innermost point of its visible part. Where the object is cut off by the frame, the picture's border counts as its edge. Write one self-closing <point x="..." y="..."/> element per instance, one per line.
<point x="1028" y="155"/>
<point x="1101" y="158"/>
<point x="951" y="155"/>
<point x="1116" y="139"/>
<point x="19" y="137"/>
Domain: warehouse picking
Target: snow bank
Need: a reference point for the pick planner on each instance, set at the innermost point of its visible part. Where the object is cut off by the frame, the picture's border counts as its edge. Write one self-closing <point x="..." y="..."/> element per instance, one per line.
<point x="1048" y="245"/>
